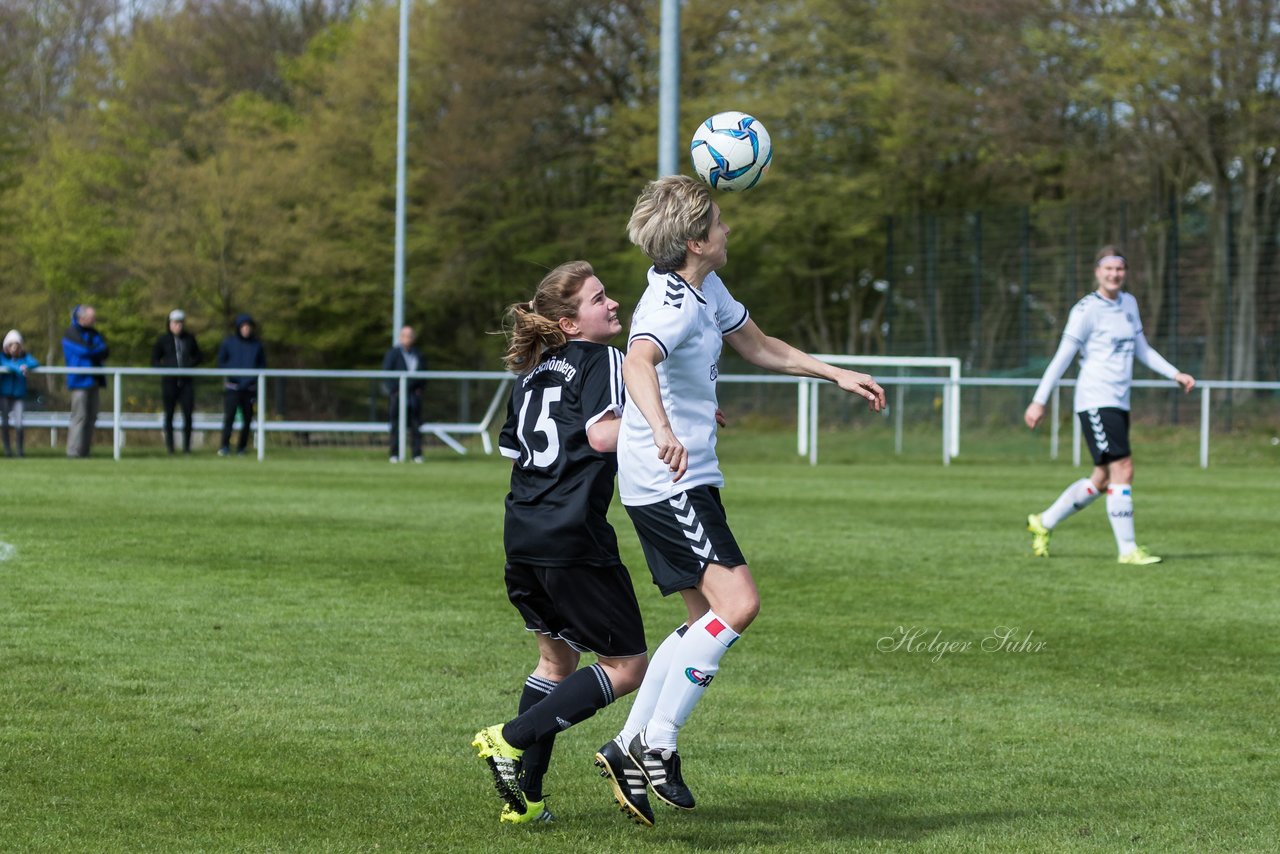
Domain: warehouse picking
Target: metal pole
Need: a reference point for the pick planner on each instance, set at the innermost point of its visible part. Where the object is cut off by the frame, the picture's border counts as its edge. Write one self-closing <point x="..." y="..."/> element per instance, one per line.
<point x="116" y="433"/>
<point x="953" y="425"/>
<point x="402" y="111"/>
<point x="1054" y="407"/>
<point x="262" y="417"/>
<point x="669" y="90"/>
<point x="899" y="405"/>
<point x="403" y="416"/>
<point x="813" y="422"/>
<point x="1204" y="427"/>
<point x="946" y="424"/>
<point x="1075" y="441"/>
<point x="802" y="418"/>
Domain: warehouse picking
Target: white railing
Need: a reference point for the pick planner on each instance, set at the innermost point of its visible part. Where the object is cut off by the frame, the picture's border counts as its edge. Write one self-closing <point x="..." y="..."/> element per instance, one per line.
<point x="807" y="397"/>
<point x="444" y="431"/>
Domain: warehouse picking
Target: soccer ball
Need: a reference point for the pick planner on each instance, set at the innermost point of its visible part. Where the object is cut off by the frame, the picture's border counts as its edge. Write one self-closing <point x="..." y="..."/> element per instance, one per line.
<point x="731" y="151"/>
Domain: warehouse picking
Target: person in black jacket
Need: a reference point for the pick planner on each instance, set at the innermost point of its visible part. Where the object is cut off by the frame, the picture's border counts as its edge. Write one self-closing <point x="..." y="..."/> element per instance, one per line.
<point x="242" y="350"/>
<point x="405" y="357"/>
<point x="177" y="348"/>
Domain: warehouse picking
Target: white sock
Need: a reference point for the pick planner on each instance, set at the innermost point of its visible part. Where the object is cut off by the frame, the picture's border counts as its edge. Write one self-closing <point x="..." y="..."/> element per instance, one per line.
<point x="1073" y="499"/>
<point x="1120" y="509"/>
<point x="649" y="690"/>
<point x="697" y="661"/>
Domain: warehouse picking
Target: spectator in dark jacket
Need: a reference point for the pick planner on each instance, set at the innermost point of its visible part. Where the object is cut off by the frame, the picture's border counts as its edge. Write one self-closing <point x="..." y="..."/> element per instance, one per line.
<point x="83" y="347"/>
<point x="177" y="348"/>
<point x="241" y="349"/>
<point x="405" y="357"/>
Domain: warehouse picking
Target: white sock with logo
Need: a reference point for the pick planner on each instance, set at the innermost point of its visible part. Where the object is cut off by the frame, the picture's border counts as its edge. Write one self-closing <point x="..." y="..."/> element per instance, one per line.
<point x="697" y="660"/>
<point x="1073" y="499"/>
<point x="649" y="690"/>
<point x="1120" y="509"/>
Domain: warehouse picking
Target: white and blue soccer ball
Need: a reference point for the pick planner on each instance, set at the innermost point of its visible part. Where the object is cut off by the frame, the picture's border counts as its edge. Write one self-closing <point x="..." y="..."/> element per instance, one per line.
<point x="731" y="151"/>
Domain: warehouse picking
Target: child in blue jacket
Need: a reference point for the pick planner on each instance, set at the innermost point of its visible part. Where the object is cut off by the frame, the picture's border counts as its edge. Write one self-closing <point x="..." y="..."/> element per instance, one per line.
<point x="15" y="365"/>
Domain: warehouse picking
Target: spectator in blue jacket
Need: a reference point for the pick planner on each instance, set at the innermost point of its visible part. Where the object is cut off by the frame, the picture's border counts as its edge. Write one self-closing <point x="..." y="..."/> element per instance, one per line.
<point x="83" y="347"/>
<point x="241" y="349"/>
<point x="15" y="364"/>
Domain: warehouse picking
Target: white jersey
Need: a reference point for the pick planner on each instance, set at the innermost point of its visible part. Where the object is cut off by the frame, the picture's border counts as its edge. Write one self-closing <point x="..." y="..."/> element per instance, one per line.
<point x="1107" y="334"/>
<point x="687" y="324"/>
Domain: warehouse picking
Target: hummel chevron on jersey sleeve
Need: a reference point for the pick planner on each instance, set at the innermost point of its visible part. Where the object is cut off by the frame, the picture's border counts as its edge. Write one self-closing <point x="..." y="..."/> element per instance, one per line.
<point x="560" y="486"/>
<point x="688" y="325"/>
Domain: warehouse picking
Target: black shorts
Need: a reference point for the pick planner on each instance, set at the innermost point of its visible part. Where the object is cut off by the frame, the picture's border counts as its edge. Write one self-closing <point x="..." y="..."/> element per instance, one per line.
<point x="681" y="535"/>
<point x="590" y="609"/>
<point x="1106" y="431"/>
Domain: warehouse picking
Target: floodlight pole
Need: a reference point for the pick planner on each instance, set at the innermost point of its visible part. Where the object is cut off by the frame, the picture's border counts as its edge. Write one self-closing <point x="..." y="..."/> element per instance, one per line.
<point x="669" y="90"/>
<point x="402" y="110"/>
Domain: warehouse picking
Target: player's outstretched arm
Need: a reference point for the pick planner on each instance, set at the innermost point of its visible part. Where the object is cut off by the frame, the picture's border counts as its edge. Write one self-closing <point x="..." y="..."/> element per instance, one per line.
<point x="640" y="374"/>
<point x="774" y="354"/>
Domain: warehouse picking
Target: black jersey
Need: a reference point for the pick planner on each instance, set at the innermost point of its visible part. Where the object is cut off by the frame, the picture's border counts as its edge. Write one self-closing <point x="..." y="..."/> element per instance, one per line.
<point x="560" y="487"/>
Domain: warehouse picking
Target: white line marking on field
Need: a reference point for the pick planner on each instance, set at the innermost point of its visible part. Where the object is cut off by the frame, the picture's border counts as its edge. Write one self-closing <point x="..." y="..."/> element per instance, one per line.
<point x="6" y="551"/>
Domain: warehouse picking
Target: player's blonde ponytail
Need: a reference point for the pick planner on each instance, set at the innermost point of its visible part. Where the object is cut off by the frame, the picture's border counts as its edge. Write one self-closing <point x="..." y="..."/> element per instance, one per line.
<point x="533" y="327"/>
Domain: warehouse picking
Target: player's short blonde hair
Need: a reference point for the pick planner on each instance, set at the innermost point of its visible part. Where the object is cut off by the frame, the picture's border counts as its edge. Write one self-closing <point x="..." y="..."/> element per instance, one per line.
<point x="669" y="213"/>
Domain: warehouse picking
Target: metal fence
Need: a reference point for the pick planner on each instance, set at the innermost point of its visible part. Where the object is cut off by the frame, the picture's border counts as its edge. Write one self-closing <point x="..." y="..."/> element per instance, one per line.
<point x="947" y="389"/>
<point x="993" y="288"/>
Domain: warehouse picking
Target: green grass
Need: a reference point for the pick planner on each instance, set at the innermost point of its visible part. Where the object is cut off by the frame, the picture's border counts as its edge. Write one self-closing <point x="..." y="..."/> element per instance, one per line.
<point x="219" y="655"/>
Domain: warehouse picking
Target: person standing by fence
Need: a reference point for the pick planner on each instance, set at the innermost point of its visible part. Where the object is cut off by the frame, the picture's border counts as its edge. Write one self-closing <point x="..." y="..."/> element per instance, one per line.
<point x="83" y="347"/>
<point x="15" y="364"/>
<point x="177" y="348"/>
<point x="244" y="351"/>
<point x="405" y="357"/>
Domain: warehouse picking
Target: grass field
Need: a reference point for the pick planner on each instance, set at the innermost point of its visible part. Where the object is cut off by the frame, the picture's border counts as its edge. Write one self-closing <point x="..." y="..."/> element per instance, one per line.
<point x="220" y="655"/>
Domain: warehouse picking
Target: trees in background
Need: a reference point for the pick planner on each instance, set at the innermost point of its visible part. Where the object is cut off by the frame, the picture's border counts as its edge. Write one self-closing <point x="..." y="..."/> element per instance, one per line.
<point x="232" y="155"/>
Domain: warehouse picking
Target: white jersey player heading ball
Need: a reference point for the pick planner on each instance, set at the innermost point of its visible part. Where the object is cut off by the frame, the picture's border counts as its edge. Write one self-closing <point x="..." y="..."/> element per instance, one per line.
<point x="668" y="475"/>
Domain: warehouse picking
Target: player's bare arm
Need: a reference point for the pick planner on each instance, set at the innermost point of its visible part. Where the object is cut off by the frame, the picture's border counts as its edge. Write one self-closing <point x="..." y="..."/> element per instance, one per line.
<point x="774" y="354"/>
<point x="603" y="435"/>
<point x="640" y="374"/>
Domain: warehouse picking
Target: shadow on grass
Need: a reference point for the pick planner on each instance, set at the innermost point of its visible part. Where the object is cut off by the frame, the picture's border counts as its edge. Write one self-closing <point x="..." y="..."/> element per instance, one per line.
<point x="838" y="822"/>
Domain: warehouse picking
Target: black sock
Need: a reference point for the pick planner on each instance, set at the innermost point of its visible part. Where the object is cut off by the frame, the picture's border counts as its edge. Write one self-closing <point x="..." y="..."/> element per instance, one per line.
<point x="537" y="758"/>
<point x="574" y="700"/>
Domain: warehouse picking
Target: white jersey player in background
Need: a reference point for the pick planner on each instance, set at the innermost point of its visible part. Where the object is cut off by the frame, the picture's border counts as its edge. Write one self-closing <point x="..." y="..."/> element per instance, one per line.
<point x="1106" y="329"/>
<point x="668" y="474"/>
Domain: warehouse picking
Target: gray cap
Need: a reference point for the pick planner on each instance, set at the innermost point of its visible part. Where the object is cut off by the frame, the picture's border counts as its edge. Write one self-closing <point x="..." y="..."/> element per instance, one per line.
<point x="177" y="314"/>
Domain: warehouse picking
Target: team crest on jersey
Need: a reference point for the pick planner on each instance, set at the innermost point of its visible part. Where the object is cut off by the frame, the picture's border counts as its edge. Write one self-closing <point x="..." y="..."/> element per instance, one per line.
<point x="697" y="677"/>
<point x="715" y="371"/>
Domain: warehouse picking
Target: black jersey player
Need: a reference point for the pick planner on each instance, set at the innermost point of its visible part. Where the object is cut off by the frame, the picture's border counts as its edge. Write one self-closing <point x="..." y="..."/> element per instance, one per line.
<point x="563" y="571"/>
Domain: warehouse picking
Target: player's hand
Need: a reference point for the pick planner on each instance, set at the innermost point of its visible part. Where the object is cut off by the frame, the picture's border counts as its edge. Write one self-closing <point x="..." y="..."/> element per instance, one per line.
<point x="1187" y="381"/>
<point x="671" y="452"/>
<point x="720" y="419"/>
<point x="863" y="385"/>
<point x="1034" y="414"/>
